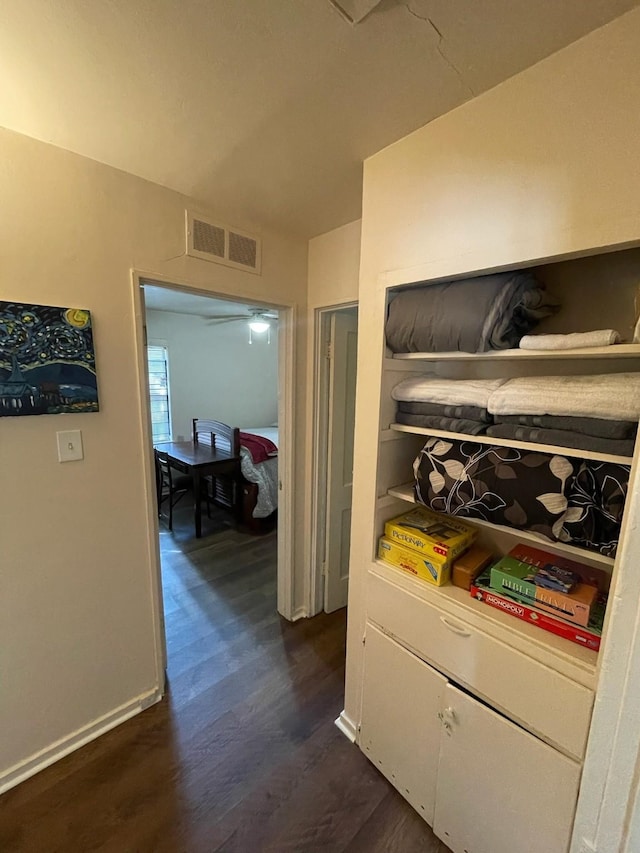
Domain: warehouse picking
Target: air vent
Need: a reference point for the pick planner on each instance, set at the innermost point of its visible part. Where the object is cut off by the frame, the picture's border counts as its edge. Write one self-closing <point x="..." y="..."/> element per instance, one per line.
<point x="221" y="244"/>
<point x="208" y="238"/>
<point x="242" y="249"/>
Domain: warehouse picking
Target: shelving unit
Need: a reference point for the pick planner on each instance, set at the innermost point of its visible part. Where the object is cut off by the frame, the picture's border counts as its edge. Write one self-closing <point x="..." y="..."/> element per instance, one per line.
<point x="614" y="351"/>
<point x="512" y="442"/>
<point x="472" y="666"/>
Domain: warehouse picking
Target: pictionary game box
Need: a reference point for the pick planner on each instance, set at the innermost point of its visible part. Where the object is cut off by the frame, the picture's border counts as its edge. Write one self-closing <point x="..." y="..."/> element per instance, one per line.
<point x="430" y="533"/>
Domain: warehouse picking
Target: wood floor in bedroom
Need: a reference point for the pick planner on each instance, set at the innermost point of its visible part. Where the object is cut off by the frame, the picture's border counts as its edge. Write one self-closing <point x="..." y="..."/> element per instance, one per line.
<point x="242" y="755"/>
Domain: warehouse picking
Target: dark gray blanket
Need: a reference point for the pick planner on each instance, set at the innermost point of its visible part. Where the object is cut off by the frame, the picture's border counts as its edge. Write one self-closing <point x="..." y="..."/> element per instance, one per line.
<point x="564" y="438"/>
<point x="472" y="413"/>
<point x="436" y="422"/>
<point x="585" y="426"/>
<point x="470" y="315"/>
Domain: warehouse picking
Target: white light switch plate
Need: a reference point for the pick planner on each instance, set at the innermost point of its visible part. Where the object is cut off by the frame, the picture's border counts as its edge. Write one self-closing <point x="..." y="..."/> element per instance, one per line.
<point x="70" y="445"/>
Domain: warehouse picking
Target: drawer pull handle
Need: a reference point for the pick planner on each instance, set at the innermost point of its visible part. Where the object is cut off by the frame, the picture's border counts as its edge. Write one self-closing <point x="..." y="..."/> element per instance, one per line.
<point x="456" y="630"/>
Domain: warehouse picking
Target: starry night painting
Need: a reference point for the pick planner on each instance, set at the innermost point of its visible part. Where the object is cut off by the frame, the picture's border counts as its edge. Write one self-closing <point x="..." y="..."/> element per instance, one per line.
<point x="47" y="362"/>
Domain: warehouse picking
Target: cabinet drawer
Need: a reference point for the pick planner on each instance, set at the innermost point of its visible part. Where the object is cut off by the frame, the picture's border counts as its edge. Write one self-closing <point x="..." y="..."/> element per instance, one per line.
<point x="534" y="695"/>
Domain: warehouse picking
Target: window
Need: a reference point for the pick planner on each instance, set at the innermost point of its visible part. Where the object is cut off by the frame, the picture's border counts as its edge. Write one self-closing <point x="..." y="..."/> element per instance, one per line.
<point x="159" y="393"/>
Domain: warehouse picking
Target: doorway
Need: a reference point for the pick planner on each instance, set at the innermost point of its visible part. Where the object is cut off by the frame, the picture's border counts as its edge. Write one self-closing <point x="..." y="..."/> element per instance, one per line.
<point x="280" y="348"/>
<point x="336" y="331"/>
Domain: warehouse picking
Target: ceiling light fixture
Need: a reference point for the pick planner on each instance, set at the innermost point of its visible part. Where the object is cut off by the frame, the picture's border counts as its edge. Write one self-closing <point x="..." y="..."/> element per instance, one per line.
<point x="259" y="324"/>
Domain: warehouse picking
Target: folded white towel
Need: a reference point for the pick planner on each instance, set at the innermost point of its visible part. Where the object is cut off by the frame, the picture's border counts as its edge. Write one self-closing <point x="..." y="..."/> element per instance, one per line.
<point x="455" y="392"/>
<point x="576" y="340"/>
<point x="611" y="396"/>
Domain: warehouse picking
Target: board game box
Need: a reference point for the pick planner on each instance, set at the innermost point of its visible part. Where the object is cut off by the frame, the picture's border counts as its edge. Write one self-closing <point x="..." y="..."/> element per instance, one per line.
<point x="589" y="636"/>
<point x="430" y="532"/>
<point x="538" y="557"/>
<point x="519" y="580"/>
<point x="425" y="566"/>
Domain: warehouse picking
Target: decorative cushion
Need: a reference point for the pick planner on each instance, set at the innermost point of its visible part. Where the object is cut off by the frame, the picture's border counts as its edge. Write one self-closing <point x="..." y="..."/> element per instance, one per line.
<point x="596" y="505"/>
<point x="504" y="485"/>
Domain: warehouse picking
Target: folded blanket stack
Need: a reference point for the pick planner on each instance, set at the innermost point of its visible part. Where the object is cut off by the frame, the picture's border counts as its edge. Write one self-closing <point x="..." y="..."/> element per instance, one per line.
<point x="597" y="413"/>
<point x="470" y="315"/>
<point x="452" y="405"/>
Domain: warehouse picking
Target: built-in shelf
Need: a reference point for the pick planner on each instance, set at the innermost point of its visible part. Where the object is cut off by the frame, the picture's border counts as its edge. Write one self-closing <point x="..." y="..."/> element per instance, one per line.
<point x="571" y="659"/>
<point x="509" y="442"/>
<point x="405" y="492"/>
<point x="614" y="351"/>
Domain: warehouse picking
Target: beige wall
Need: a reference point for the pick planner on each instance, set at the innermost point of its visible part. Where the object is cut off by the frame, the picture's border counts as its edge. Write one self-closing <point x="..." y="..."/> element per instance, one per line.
<point x="543" y="165"/>
<point x="76" y="573"/>
<point x="334" y="266"/>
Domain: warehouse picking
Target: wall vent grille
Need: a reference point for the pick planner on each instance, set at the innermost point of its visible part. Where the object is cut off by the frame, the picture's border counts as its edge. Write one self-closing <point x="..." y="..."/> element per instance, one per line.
<point x="208" y="238"/>
<point x="242" y="249"/>
<point x="211" y="241"/>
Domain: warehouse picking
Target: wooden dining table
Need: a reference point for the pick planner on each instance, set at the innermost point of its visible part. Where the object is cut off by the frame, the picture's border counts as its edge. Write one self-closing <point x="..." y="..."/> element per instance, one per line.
<point x="197" y="461"/>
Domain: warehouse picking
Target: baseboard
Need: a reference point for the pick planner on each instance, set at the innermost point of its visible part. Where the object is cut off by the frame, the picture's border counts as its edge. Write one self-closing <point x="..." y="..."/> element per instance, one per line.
<point x="347" y="727"/>
<point x="19" y="772"/>
<point x="299" y="613"/>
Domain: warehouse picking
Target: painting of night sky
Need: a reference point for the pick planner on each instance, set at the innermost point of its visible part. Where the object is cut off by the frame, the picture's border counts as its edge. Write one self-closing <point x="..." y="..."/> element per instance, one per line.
<point x="47" y="361"/>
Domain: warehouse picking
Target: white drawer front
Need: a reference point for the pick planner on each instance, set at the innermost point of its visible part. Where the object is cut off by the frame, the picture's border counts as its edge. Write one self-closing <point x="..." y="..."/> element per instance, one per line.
<point x="540" y="699"/>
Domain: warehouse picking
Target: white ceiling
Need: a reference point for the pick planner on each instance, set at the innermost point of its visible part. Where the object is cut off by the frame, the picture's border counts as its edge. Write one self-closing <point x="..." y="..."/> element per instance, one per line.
<point x="262" y="110"/>
<point x="182" y="302"/>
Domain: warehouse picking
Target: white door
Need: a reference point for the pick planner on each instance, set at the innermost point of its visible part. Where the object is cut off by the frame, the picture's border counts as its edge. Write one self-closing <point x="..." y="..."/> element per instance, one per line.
<point x="400" y="732"/>
<point x="500" y="790"/>
<point x="343" y="347"/>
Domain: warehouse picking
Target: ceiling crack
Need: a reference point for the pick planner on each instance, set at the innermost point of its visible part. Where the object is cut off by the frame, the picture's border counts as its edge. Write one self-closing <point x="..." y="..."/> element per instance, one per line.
<point x="439" y="47"/>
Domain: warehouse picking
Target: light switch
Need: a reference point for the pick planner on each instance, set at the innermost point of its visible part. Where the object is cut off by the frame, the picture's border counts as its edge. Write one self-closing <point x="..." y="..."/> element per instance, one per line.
<point x="70" y="445"/>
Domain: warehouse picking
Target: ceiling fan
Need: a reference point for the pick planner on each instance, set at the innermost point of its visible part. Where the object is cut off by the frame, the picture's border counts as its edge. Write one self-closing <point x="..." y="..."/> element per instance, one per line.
<point x="253" y="316"/>
<point x="258" y="319"/>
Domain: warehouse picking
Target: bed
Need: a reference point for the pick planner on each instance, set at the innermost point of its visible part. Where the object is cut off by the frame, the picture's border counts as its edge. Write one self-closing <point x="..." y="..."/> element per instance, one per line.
<point x="254" y="493"/>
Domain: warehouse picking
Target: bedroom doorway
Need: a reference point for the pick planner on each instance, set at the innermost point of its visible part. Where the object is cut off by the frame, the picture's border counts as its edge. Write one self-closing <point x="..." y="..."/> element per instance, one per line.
<point x="336" y="331"/>
<point x="229" y="576"/>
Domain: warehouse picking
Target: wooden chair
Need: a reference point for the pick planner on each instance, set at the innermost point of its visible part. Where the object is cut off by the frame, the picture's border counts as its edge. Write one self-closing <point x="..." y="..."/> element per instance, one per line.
<point x="170" y="486"/>
<point x="224" y="490"/>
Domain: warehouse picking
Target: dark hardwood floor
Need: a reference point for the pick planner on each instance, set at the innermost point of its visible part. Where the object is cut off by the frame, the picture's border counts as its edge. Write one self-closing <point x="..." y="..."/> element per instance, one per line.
<point x="242" y="755"/>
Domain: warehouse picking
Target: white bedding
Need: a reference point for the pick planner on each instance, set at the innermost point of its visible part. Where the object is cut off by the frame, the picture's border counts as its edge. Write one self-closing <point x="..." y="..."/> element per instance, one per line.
<point x="265" y="474"/>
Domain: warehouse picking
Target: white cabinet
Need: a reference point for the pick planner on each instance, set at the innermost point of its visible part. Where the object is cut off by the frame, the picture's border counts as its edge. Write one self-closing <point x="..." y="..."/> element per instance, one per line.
<point x="511" y="680"/>
<point x="483" y="783"/>
<point x="499" y="789"/>
<point x="400" y="730"/>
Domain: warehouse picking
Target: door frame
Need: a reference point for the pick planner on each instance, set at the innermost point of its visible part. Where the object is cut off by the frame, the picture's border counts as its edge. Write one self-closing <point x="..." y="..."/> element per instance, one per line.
<point x="286" y="473"/>
<point x="320" y="443"/>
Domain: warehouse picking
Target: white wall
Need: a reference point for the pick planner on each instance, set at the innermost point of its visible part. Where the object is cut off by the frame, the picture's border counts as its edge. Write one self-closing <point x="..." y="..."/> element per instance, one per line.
<point x="215" y="373"/>
<point x="334" y="266"/>
<point x="545" y="164"/>
<point x="77" y="576"/>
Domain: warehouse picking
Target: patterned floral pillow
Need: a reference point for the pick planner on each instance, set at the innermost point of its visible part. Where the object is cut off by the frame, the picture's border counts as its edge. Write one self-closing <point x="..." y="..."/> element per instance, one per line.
<point x="596" y="504"/>
<point x="517" y="488"/>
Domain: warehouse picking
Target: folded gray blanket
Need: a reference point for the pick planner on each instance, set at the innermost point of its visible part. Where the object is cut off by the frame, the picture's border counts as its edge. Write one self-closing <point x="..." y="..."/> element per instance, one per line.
<point x="585" y="426"/>
<point x="436" y="422"/>
<point x="472" y="413"/>
<point x="470" y="315"/>
<point x="563" y="438"/>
